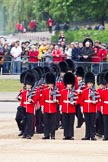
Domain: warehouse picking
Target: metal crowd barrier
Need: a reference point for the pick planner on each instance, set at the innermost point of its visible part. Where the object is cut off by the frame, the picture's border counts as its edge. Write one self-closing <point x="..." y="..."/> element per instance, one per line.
<point x="92" y="66"/>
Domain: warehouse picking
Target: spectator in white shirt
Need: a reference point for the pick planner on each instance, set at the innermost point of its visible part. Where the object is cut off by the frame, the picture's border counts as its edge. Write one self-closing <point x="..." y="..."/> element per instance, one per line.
<point x="16" y="58"/>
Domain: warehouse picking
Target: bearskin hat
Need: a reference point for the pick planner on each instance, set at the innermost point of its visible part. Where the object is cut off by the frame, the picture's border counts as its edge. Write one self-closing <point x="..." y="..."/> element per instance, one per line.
<point x="46" y="69"/>
<point x="98" y="79"/>
<point x="22" y="76"/>
<point x="89" y="78"/>
<point x="55" y="69"/>
<point x="106" y="77"/>
<point x="80" y="71"/>
<point x="50" y="78"/>
<point x="39" y="71"/>
<point x="31" y="77"/>
<point x="102" y="79"/>
<point x="71" y="65"/>
<point x="63" y="67"/>
<point x="69" y="78"/>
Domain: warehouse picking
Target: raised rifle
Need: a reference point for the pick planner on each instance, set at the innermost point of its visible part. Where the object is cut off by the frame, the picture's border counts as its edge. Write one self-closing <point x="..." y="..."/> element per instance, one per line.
<point x="93" y="94"/>
<point x="55" y="94"/>
<point x="32" y="92"/>
<point x="72" y="97"/>
<point x="80" y="86"/>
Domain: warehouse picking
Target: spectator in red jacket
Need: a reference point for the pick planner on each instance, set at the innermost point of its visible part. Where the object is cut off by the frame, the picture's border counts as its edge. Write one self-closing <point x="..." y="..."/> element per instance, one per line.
<point x="33" y="57"/>
<point x="57" y="54"/>
<point x="17" y="27"/>
<point x="32" y="25"/>
<point x="103" y="57"/>
<point x="50" y="24"/>
<point x="96" y="57"/>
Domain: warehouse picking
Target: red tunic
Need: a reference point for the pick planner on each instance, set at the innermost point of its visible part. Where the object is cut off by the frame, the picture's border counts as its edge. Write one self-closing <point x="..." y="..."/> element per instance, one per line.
<point x="105" y="101"/>
<point x="47" y="102"/>
<point x="65" y="103"/>
<point x="19" y="97"/>
<point x="30" y="106"/>
<point x="80" y="94"/>
<point x="60" y="86"/>
<point x="99" y="103"/>
<point x="87" y="103"/>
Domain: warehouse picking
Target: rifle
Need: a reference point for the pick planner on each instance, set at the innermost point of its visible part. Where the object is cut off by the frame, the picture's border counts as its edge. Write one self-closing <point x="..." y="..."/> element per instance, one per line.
<point x="32" y="91"/>
<point x="54" y="94"/>
<point x="80" y="86"/>
<point x="93" y="94"/>
<point x="72" y="96"/>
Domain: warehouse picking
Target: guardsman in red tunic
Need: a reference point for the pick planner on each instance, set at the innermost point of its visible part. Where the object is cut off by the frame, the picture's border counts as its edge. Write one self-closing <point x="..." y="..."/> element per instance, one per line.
<point x="89" y="102"/>
<point x="60" y="86"/>
<point x="63" y="69"/>
<point x="41" y="85"/>
<point x="29" y="99"/>
<point x="38" y="114"/>
<point x="71" y="68"/>
<point x="49" y="107"/>
<point x="20" y="115"/>
<point x="99" y="125"/>
<point x="81" y="85"/>
<point x="67" y="104"/>
<point x="105" y="107"/>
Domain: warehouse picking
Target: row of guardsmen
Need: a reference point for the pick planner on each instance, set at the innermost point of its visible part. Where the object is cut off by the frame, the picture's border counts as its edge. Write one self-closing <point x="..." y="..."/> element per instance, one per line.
<point x="50" y="99"/>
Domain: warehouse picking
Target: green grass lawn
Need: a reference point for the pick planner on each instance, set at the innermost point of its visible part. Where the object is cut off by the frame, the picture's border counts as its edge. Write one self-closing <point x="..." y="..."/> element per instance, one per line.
<point x="9" y="85"/>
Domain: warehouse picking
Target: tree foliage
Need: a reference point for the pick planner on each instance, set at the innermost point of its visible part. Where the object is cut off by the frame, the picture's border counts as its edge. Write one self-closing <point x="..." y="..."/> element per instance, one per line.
<point x="59" y="10"/>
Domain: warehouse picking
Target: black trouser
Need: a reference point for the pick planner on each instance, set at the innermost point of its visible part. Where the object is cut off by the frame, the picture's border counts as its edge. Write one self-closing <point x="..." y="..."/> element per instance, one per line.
<point x="68" y="124"/>
<point x="90" y="122"/>
<point x="79" y="115"/>
<point x="50" y="29"/>
<point x="49" y="124"/>
<point x="21" y="118"/>
<point x="99" y="123"/>
<point x="39" y="121"/>
<point x="58" y="118"/>
<point x="105" y="118"/>
<point x="29" y="127"/>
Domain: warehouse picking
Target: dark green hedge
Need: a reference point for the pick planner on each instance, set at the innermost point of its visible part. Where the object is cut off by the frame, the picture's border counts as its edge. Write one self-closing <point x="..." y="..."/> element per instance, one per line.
<point x="78" y="35"/>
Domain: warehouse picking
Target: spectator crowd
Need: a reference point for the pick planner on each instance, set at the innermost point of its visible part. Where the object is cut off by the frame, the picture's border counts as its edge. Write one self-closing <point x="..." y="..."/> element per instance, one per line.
<point x="17" y="56"/>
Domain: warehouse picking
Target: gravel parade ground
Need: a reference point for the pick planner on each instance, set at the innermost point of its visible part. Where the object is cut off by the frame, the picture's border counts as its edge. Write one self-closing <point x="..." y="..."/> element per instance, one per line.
<point x="16" y="149"/>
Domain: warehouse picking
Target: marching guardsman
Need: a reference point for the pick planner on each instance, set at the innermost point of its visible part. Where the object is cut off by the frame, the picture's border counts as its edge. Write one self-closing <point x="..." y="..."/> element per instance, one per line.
<point x="56" y="71"/>
<point x="20" y="115"/>
<point x="29" y="99"/>
<point x="49" y="107"/>
<point x="63" y="69"/>
<point x="81" y="85"/>
<point x="71" y="68"/>
<point x="68" y="101"/>
<point x="60" y="86"/>
<point x="41" y="85"/>
<point x="39" y="116"/>
<point x="105" y="107"/>
<point x="89" y="101"/>
<point x="99" y="125"/>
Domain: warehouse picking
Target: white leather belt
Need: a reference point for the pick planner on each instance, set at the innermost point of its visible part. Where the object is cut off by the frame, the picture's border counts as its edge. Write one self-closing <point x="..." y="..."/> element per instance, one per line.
<point x="88" y="101"/>
<point x="106" y="102"/>
<point x="27" y="102"/>
<point x="49" y="101"/>
<point x="66" y="101"/>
